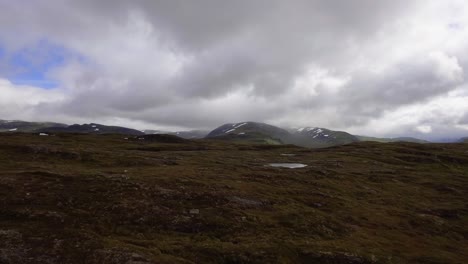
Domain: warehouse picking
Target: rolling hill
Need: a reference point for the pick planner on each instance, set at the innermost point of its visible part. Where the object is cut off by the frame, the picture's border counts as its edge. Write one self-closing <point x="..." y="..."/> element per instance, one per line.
<point x="24" y="126"/>
<point x="91" y="129"/>
<point x="388" y="140"/>
<point x="321" y="137"/>
<point x="251" y="132"/>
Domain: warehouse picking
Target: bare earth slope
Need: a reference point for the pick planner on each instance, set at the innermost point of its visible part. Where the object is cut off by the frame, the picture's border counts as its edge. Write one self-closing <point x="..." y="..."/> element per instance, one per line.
<point x="105" y="199"/>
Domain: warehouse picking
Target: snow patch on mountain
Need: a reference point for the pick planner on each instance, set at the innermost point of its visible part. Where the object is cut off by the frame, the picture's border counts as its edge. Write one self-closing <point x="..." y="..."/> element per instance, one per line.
<point x="234" y="127"/>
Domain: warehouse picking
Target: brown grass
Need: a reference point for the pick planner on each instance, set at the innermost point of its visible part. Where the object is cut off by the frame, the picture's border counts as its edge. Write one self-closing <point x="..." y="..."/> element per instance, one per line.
<point x="104" y="199"/>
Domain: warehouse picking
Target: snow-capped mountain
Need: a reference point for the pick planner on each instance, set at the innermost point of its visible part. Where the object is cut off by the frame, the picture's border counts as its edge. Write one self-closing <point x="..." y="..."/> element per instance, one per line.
<point x="250" y="132"/>
<point x="316" y="137"/>
<point x="307" y="137"/>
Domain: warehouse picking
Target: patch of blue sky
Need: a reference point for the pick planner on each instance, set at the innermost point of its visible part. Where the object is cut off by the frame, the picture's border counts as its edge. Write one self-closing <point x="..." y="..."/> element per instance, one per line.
<point x="2" y="51"/>
<point x="31" y="65"/>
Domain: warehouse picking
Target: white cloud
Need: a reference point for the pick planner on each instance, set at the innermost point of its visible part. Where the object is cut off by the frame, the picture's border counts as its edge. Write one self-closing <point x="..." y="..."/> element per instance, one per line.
<point x="424" y="129"/>
<point x="447" y="68"/>
<point x="24" y="101"/>
<point x="376" y="67"/>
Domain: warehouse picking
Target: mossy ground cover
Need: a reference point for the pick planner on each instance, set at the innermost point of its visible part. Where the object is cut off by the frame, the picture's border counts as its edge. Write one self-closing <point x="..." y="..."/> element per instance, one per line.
<point x="73" y="198"/>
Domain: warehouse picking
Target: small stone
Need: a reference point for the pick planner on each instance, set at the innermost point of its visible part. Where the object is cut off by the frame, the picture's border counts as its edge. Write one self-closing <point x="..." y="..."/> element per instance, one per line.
<point x="194" y="211"/>
<point x="316" y="205"/>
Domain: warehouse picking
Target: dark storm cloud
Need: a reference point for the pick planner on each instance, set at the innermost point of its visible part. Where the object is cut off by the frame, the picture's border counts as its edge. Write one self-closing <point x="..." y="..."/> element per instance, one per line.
<point x="464" y="120"/>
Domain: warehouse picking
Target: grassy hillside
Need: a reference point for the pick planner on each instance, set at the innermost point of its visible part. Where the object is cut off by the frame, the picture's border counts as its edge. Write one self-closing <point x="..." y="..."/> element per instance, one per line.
<point x="106" y="199"/>
<point x="248" y="127"/>
<point x="315" y="137"/>
<point x="249" y="138"/>
<point x="91" y="129"/>
<point x="388" y="140"/>
<point x="250" y="133"/>
<point x="23" y="126"/>
<point x="253" y="132"/>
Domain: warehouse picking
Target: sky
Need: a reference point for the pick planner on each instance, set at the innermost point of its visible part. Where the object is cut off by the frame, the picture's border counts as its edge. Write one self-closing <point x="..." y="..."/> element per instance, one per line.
<point x="369" y="67"/>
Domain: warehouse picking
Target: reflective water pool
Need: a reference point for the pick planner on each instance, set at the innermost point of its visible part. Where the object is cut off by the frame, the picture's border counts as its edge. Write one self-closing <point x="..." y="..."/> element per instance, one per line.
<point x="287" y="165"/>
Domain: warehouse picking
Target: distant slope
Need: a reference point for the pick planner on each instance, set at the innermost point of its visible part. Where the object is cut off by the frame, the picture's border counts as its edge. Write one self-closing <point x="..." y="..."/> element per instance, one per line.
<point x="91" y="129"/>
<point x="190" y="134"/>
<point x="463" y="140"/>
<point x="388" y="140"/>
<point x="24" y="126"/>
<point x="248" y="127"/>
<point x="250" y="132"/>
<point x="152" y="131"/>
<point x="251" y="138"/>
<point x="268" y="134"/>
<point x="321" y="137"/>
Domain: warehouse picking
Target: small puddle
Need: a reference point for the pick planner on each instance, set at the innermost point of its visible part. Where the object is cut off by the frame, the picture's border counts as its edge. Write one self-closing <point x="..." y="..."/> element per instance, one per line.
<point x="287" y="165"/>
<point x="288" y="155"/>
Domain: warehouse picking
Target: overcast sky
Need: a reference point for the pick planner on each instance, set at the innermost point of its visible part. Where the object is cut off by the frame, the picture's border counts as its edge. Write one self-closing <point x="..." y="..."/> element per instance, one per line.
<point x="381" y="68"/>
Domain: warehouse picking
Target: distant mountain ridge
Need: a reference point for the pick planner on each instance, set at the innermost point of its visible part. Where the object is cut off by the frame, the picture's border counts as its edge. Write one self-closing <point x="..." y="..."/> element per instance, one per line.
<point x="312" y="137"/>
<point x="265" y="133"/>
<point x="252" y="132"/>
<point x="322" y="137"/>
<point x="91" y="129"/>
<point x="248" y="132"/>
<point x="388" y="140"/>
<point x="248" y="127"/>
<point x="24" y="126"/>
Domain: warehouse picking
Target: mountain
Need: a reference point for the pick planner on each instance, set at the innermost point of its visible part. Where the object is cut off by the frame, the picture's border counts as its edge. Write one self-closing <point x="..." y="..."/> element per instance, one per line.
<point x="23" y="126"/>
<point x="311" y="137"/>
<point x="321" y="137"/>
<point x="263" y="133"/>
<point x="248" y="132"/>
<point x="463" y="140"/>
<point x="91" y="129"/>
<point x="249" y="127"/>
<point x="51" y="127"/>
<point x="252" y="132"/>
<point x="388" y="140"/>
